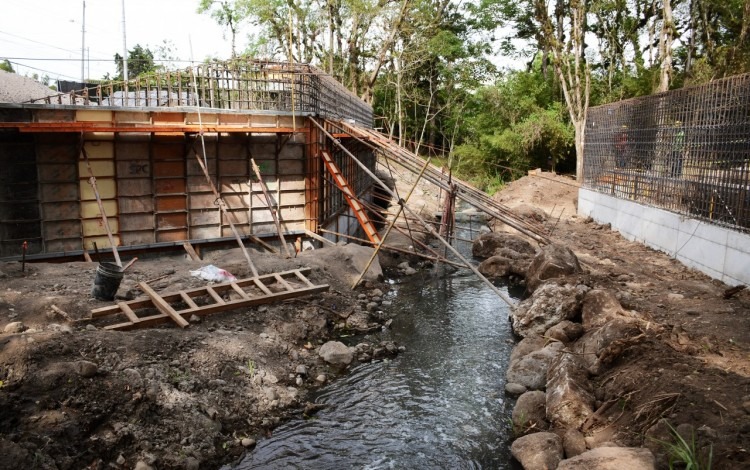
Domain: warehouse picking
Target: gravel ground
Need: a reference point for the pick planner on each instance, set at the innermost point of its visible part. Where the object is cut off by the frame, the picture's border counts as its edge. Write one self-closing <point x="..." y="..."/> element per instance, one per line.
<point x="16" y="88"/>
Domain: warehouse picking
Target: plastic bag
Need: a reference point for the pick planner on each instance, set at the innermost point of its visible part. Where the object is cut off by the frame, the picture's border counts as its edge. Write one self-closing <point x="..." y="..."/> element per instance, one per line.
<point x="212" y="273"/>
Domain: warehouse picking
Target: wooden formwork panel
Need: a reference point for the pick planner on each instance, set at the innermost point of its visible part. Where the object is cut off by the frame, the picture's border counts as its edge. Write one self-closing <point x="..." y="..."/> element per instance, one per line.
<point x="205" y="232"/>
<point x="202" y="201"/>
<point x="136" y="222"/>
<point x="135" y="205"/>
<point x="291" y="167"/>
<point x="57" y="173"/>
<point x="71" y="244"/>
<point x="135" y="187"/>
<point x="204" y="217"/>
<point x="62" y="210"/>
<point x="236" y="201"/>
<point x="144" y="237"/>
<point x="107" y="189"/>
<point x="198" y="184"/>
<point x="54" y="115"/>
<point x="54" y="229"/>
<point x="165" y="169"/>
<point x="170" y="203"/>
<point x="292" y="152"/>
<point x="95" y="227"/>
<point x="59" y="192"/>
<point x="171" y="186"/>
<point x="91" y="210"/>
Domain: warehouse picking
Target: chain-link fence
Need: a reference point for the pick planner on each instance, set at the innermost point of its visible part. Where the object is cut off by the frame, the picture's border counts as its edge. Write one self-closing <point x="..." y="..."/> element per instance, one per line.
<point x="687" y="151"/>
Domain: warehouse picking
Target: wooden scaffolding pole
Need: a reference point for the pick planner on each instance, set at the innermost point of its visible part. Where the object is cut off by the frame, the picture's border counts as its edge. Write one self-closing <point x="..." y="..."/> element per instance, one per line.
<point x="105" y="221"/>
<point x="388" y="190"/>
<point x="225" y="212"/>
<point x="402" y="204"/>
<point x="269" y="203"/>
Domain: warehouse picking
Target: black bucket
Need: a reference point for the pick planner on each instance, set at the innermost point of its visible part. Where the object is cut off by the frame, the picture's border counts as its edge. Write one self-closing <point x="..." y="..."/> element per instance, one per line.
<point x="107" y="281"/>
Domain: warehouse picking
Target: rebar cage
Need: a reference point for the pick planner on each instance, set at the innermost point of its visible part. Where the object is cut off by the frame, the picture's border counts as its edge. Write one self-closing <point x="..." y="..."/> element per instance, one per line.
<point x="240" y="84"/>
<point x="687" y="151"/>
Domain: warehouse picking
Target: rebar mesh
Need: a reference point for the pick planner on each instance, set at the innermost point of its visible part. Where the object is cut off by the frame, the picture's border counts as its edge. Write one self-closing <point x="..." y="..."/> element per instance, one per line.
<point x="687" y="151"/>
<point x="240" y="85"/>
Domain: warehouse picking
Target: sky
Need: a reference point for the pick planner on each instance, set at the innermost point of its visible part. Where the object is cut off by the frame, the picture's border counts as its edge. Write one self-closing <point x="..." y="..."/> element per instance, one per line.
<point x="31" y="30"/>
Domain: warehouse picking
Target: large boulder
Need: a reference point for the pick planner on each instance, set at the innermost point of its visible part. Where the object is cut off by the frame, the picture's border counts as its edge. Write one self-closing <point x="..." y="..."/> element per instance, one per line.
<point x="530" y="413"/>
<point x="569" y="398"/>
<point x="551" y="262"/>
<point x="600" y="306"/>
<point x="611" y="458"/>
<point x="565" y="331"/>
<point x="601" y="346"/>
<point x="494" y="267"/>
<point x="538" y="451"/>
<point x="526" y="346"/>
<point x="487" y="244"/>
<point x="336" y="353"/>
<point x="531" y="369"/>
<point x="548" y="306"/>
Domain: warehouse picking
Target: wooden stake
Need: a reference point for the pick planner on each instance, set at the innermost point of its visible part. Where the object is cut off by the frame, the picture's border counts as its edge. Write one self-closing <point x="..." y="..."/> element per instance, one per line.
<point x="191" y="251"/>
<point x="269" y="202"/>
<point x="402" y="204"/>
<point x="389" y="191"/>
<point x="92" y="182"/>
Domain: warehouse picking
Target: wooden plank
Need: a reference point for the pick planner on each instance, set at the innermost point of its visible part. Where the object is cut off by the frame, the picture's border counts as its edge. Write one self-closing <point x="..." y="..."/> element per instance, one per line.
<point x="195" y="292"/>
<point x="217" y="298"/>
<point x="128" y="312"/>
<point x="283" y="282"/>
<point x="86" y="256"/>
<point x="188" y="300"/>
<point x="239" y="290"/>
<point x="323" y="240"/>
<point x="162" y="305"/>
<point x="208" y="309"/>
<point x="262" y="286"/>
<point x="302" y="278"/>
<point x="191" y="251"/>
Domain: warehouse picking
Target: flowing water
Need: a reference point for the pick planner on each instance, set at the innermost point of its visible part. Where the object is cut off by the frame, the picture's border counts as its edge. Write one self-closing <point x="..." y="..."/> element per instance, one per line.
<point x="440" y="404"/>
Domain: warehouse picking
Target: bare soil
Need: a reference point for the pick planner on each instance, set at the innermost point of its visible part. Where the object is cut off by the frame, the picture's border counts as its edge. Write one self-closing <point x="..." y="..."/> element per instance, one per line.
<point x="692" y="368"/>
<point x="74" y="396"/>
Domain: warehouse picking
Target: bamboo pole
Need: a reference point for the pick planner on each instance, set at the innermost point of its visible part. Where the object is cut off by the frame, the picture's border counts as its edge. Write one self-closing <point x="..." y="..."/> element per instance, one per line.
<point x="92" y="182"/>
<point x="269" y="202"/>
<point x="401" y="203"/>
<point x="388" y="190"/>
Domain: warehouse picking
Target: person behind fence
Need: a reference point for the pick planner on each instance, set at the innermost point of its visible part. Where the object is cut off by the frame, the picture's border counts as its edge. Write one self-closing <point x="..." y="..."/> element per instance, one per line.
<point x="678" y="147"/>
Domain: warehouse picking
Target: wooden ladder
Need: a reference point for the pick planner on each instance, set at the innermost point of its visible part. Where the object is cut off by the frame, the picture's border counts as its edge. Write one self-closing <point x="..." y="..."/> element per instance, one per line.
<point x="351" y="198"/>
<point x="182" y="305"/>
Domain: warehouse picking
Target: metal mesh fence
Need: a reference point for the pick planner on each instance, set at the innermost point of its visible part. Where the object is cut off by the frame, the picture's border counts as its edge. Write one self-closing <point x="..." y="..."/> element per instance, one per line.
<point x="687" y="151"/>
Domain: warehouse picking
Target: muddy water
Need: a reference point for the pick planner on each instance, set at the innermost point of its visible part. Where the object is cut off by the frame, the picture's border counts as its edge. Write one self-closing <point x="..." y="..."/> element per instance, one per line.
<point x="440" y="404"/>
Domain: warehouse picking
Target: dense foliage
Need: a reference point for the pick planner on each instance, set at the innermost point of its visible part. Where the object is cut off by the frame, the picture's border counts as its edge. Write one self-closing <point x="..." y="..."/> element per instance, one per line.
<point x="429" y="67"/>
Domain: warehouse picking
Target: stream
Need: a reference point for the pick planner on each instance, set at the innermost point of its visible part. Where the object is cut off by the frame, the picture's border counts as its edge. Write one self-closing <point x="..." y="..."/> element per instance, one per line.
<point x="439" y="404"/>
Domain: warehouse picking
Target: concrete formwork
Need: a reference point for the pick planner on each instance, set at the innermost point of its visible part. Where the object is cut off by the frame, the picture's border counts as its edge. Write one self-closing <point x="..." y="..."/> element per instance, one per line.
<point x="150" y="182"/>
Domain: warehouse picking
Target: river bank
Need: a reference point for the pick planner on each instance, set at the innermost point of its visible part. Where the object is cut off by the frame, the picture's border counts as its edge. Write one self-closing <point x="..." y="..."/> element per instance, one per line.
<point x="623" y="347"/>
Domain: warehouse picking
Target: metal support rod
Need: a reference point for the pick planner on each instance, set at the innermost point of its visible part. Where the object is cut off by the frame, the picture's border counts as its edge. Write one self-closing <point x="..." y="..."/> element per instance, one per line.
<point x="388" y="190"/>
<point x="401" y="203"/>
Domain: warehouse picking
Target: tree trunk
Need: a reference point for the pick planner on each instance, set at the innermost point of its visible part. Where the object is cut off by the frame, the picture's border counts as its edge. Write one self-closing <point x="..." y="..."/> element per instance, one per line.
<point x="665" y="47"/>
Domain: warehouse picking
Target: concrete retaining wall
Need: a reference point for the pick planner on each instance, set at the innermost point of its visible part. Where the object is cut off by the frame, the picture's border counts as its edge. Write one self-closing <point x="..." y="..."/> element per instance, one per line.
<point x="721" y="253"/>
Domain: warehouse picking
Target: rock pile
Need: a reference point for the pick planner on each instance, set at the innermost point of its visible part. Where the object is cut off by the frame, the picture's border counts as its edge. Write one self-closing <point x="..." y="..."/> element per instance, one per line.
<point x="570" y="332"/>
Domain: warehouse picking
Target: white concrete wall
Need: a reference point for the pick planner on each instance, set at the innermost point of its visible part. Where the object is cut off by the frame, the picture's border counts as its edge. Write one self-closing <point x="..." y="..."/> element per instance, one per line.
<point x="721" y="253"/>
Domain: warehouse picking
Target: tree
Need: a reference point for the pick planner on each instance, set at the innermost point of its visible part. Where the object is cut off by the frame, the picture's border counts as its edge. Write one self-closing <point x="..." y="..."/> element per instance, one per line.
<point x="229" y="14"/>
<point x="7" y="66"/>
<point x="140" y="61"/>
